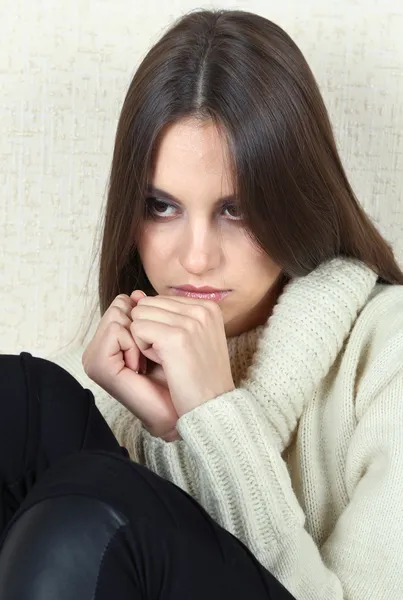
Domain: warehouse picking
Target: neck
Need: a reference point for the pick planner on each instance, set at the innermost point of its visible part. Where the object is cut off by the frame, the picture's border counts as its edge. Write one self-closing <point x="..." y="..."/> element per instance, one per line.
<point x="261" y="312"/>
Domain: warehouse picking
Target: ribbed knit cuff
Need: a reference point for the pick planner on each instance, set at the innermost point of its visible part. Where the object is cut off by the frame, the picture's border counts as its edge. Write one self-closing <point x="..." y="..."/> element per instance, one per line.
<point x="170" y="460"/>
<point x="237" y="450"/>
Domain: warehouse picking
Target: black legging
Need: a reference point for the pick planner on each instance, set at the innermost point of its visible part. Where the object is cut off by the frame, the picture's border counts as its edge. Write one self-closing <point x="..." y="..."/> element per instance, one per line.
<point x="79" y="520"/>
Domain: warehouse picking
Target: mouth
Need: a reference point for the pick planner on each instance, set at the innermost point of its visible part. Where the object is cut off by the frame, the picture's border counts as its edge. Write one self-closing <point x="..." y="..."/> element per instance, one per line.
<point x="202" y="293"/>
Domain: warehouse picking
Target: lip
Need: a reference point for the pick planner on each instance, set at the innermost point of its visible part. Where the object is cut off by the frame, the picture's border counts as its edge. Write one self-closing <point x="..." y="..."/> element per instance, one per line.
<point x="202" y="293"/>
<point x="202" y="290"/>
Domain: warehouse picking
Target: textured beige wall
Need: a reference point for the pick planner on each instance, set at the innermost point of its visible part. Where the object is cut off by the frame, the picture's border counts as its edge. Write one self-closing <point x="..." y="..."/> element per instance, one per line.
<point x="64" y="70"/>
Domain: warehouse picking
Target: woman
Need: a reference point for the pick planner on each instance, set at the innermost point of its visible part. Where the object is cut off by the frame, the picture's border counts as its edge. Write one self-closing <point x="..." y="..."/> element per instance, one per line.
<point x="272" y="402"/>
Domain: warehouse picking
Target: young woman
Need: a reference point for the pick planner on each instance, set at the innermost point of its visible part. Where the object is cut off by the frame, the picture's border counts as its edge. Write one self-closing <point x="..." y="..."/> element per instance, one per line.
<point x="252" y="338"/>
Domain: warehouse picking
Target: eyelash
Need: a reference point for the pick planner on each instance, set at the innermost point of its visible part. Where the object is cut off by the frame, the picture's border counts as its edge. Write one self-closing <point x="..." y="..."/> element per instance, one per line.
<point x="151" y="202"/>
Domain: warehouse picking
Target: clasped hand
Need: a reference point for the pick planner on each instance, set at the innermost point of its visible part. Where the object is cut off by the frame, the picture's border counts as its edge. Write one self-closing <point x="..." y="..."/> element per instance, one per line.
<point x="185" y="341"/>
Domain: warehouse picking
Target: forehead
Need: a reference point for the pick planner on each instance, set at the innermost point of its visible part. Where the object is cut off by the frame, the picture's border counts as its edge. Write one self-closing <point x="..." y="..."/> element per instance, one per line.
<point x="191" y="146"/>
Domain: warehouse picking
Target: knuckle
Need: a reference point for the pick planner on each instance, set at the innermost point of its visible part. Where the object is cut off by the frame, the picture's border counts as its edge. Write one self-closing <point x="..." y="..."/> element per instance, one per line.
<point x="123" y="297"/>
<point x="108" y="315"/>
<point x="202" y="314"/>
<point x="193" y="325"/>
<point x="87" y="365"/>
<point x="116" y="314"/>
<point x="88" y="370"/>
<point x="113" y="327"/>
<point x="121" y="302"/>
<point x="181" y="337"/>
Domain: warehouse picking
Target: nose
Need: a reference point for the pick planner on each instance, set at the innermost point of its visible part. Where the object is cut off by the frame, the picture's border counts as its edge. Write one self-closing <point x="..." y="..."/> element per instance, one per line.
<point x="200" y="248"/>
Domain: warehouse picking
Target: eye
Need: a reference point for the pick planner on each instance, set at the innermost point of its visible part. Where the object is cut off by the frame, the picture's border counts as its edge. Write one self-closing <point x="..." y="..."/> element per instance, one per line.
<point x="233" y="208"/>
<point x="161" y="209"/>
<point x="158" y="208"/>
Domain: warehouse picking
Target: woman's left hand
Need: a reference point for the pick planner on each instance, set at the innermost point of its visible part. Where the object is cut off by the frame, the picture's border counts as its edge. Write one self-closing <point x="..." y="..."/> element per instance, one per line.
<point x="187" y="338"/>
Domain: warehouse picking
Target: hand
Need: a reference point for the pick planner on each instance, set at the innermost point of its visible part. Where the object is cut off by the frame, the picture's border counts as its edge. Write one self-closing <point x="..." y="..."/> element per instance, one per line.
<point x="187" y="338"/>
<point x="112" y="358"/>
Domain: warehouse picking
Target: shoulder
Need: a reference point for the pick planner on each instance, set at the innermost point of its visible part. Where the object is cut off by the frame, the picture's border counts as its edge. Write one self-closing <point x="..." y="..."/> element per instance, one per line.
<point x="381" y="319"/>
<point x="376" y="342"/>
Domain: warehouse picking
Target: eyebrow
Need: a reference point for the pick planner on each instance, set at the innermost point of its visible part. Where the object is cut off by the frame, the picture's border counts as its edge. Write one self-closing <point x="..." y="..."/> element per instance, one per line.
<point x="151" y="189"/>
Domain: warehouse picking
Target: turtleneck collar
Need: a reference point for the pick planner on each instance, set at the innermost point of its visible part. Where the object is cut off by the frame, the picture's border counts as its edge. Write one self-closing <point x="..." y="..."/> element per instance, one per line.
<point x="284" y="361"/>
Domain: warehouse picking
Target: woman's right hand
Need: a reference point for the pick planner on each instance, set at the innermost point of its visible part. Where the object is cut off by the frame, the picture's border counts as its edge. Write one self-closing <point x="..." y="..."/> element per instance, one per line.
<point x="112" y="358"/>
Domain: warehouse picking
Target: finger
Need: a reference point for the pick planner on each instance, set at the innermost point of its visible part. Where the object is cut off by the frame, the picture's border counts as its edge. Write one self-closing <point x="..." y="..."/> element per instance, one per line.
<point x="137" y="295"/>
<point x="118" y="311"/>
<point x="151" y="337"/>
<point x="186" y="299"/>
<point x="114" y="314"/>
<point x="146" y="399"/>
<point x="109" y="349"/>
<point x="118" y="339"/>
<point x="179" y="314"/>
<point x="135" y="361"/>
<point x="124" y="302"/>
<point x="176" y="318"/>
<point x="126" y="344"/>
<point x="176" y="303"/>
<point x="132" y="358"/>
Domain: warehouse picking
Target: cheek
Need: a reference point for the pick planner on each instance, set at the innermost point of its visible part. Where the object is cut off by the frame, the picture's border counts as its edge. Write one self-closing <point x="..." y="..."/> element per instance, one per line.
<point x="265" y="264"/>
<point x="268" y="272"/>
<point x="154" y="247"/>
<point x="255" y="268"/>
<point x="251" y="259"/>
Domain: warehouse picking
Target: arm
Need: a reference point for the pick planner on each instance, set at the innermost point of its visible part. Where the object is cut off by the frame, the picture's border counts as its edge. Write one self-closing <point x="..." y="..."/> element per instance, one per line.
<point x="248" y="490"/>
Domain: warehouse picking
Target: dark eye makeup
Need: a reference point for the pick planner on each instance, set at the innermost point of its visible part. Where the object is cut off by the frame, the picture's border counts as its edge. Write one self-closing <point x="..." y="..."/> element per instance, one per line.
<point x="156" y="207"/>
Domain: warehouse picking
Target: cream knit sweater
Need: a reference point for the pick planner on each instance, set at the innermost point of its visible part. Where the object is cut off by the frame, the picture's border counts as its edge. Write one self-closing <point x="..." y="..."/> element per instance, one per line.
<point x="304" y="460"/>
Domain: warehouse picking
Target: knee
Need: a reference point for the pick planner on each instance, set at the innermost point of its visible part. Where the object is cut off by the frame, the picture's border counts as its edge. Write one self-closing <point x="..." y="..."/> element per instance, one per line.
<point x="55" y="549"/>
<point x="24" y="375"/>
<point x="53" y="380"/>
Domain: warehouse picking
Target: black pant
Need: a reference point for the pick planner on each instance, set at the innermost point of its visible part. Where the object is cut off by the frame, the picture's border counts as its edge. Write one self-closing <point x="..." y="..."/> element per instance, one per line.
<point x="79" y="520"/>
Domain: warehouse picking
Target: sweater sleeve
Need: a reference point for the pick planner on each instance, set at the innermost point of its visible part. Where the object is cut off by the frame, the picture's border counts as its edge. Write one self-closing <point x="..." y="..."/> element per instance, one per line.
<point x="247" y="489"/>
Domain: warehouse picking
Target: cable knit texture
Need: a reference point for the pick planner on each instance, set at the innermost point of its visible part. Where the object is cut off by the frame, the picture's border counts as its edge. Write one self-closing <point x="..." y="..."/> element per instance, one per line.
<point x="303" y="461"/>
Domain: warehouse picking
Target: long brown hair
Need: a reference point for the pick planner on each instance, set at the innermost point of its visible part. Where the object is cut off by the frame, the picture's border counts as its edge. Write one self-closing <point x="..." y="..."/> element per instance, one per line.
<point x="246" y="75"/>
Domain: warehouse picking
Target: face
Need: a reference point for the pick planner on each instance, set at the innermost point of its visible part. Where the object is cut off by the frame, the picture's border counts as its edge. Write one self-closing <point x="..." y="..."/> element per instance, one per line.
<point x="195" y="238"/>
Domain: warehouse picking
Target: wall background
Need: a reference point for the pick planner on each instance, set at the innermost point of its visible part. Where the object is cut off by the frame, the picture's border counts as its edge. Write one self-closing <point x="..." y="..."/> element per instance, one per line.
<point x="64" y="71"/>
